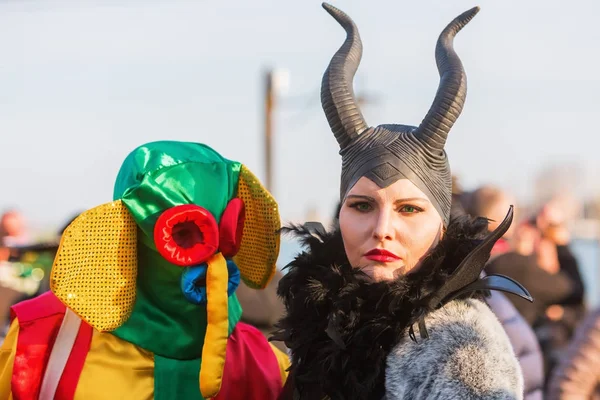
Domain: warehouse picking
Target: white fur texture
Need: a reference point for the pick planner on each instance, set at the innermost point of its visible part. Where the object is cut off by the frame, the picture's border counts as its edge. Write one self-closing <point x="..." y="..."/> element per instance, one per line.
<point x="467" y="356"/>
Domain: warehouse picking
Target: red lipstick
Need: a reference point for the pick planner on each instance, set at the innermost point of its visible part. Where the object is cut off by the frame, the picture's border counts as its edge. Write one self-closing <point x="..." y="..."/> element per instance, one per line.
<point x="381" y="255"/>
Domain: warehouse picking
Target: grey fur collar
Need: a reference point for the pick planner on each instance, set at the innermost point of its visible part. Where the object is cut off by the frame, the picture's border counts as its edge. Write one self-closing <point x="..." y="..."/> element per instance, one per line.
<point x="466" y="357"/>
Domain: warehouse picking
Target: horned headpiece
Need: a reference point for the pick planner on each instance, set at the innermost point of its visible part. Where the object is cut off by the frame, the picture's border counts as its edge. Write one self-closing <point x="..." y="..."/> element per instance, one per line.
<point x="387" y="153"/>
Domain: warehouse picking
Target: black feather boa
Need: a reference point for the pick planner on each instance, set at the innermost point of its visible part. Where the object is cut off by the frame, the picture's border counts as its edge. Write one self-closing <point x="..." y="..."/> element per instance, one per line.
<point x="340" y="326"/>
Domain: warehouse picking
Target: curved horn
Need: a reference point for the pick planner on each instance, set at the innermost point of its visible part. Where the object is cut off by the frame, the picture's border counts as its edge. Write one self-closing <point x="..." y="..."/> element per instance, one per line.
<point x="452" y="90"/>
<point x="337" y="96"/>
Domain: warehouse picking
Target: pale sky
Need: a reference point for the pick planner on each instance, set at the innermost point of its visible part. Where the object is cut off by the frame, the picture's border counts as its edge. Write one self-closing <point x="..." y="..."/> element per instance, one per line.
<point x="83" y="83"/>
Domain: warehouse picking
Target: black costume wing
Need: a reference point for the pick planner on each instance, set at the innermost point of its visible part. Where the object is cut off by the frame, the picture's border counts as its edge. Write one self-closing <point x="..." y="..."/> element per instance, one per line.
<point x="466" y="277"/>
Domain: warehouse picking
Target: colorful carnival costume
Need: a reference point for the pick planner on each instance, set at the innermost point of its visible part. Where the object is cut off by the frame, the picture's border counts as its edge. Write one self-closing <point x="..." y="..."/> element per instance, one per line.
<point x="143" y="298"/>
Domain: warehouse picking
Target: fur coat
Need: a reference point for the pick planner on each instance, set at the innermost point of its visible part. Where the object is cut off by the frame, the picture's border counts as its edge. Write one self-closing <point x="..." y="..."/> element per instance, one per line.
<point x="351" y="338"/>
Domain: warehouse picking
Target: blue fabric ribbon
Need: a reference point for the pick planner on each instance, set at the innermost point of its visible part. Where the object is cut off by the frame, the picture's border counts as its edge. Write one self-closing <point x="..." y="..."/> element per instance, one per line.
<point x="193" y="282"/>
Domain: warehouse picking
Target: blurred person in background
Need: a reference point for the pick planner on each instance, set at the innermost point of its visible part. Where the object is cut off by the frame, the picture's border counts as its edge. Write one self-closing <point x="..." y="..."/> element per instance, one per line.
<point x="556" y="326"/>
<point x="459" y="198"/>
<point x="577" y="373"/>
<point x="530" y="256"/>
<point x="490" y="202"/>
<point x="520" y="257"/>
<point x="41" y="255"/>
<point x="554" y="234"/>
<point x="13" y="232"/>
<point x="26" y="273"/>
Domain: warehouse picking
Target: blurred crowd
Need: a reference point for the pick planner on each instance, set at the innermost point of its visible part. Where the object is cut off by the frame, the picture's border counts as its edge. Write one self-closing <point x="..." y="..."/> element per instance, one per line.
<point x="556" y="338"/>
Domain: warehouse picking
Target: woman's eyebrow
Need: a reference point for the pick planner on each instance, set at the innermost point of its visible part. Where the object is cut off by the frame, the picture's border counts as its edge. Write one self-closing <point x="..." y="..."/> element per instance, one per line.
<point x="411" y="199"/>
<point x="358" y="196"/>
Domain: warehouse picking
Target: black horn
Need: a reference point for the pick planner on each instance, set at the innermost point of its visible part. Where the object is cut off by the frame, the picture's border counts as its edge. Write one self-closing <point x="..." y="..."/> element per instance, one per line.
<point x="452" y="90"/>
<point x="337" y="96"/>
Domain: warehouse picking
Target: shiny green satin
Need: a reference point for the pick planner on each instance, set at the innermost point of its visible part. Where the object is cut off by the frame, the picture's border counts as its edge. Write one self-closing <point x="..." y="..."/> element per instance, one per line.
<point x="153" y="178"/>
<point x="161" y="175"/>
<point x="178" y="379"/>
<point x="162" y="321"/>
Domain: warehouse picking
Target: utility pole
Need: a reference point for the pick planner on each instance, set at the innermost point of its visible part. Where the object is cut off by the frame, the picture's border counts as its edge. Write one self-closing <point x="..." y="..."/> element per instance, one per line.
<point x="268" y="143"/>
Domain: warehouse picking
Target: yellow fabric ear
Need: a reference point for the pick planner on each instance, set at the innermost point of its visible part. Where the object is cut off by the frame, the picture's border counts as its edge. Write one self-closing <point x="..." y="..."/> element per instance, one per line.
<point x="95" y="269"/>
<point x="215" y="340"/>
<point x="260" y="241"/>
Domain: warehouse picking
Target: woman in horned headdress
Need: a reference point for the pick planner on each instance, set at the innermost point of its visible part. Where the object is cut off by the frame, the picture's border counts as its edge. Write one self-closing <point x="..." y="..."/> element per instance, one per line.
<point x="389" y="305"/>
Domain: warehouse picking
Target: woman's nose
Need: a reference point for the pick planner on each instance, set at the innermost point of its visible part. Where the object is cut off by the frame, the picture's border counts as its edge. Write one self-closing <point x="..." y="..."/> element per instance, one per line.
<point x="383" y="227"/>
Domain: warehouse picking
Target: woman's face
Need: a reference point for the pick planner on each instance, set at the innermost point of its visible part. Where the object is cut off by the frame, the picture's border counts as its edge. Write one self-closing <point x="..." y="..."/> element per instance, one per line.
<point x="387" y="232"/>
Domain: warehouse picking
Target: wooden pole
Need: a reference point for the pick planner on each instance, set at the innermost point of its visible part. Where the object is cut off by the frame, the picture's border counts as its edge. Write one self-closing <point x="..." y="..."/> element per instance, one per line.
<point x="268" y="139"/>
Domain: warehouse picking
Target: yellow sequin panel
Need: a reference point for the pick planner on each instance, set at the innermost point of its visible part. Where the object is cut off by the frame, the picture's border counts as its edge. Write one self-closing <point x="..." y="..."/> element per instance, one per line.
<point x="95" y="269"/>
<point x="260" y="241"/>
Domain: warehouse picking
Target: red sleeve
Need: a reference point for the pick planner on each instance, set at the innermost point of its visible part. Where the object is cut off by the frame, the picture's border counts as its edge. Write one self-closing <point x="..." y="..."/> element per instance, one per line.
<point x="251" y="369"/>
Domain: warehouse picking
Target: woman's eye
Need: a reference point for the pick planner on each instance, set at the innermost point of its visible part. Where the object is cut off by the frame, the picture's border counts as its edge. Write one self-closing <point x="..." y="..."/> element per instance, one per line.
<point x="409" y="209"/>
<point x="361" y="206"/>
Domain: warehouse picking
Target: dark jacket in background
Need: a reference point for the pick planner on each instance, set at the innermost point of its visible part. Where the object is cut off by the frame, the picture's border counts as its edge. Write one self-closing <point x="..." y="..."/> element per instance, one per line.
<point x="554" y="336"/>
<point x="546" y="288"/>
<point x="570" y="267"/>
<point x="573" y="305"/>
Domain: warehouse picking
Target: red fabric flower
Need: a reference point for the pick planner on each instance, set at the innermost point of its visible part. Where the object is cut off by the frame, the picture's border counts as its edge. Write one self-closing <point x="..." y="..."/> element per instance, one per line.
<point x="186" y="235"/>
